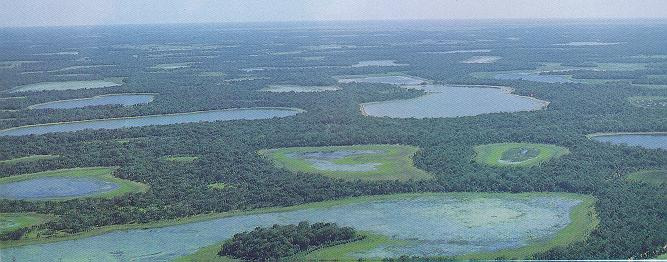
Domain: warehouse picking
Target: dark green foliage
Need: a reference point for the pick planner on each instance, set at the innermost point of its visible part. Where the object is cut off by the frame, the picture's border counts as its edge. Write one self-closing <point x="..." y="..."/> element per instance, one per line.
<point x="282" y="241"/>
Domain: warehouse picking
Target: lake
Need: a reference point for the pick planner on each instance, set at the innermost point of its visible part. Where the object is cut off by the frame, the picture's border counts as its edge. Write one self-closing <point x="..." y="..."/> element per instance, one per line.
<point x="651" y="141"/>
<point x="115" y="99"/>
<point x="65" y="85"/>
<point x="431" y="224"/>
<point x="55" y="187"/>
<point x="453" y="101"/>
<point x="168" y="119"/>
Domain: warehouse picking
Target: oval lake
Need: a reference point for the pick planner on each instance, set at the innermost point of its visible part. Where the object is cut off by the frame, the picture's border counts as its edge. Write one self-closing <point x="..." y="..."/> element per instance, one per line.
<point x="114" y="99"/>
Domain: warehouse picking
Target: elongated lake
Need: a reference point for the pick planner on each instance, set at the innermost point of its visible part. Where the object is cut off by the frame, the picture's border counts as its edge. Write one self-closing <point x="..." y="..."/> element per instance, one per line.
<point x="116" y="99"/>
<point x="429" y="224"/>
<point x="651" y="141"/>
<point x="453" y="101"/>
<point x="115" y="123"/>
<point x="65" y="85"/>
<point x="55" y="187"/>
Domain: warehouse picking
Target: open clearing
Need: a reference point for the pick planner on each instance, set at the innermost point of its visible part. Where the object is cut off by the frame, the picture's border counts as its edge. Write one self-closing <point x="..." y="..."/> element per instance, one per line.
<point x="517" y="154"/>
<point x="298" y="88"/>
<point x="63" y="184"/>
<point x="649" y="101"/>
<point x="655" y="177"/>
<point x="27" y="159"/>
<point x="364" y="162"/>
<point x="13" y="221"/>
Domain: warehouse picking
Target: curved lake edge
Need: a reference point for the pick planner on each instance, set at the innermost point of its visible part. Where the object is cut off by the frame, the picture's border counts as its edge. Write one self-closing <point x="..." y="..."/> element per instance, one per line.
<point x="590" y="136"/>
<point x="504" y="89"/>
<point x="124" y="185"/>
<point x="298" y="110"/>
<point x="32" y="107"/>
<point x="587" y="202"/>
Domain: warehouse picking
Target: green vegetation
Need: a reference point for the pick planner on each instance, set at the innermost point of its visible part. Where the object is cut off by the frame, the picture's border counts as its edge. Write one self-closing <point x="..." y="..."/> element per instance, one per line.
<point x="14" y="221"/>
<point x="344" y="252"/>
<point x="655" y="177"/>
<point x="378" y="162"/>
<point x="103" y="173"/>
<point x="26" y="159"/>
<point x="219" y="185"/>
<point x="181" y="159"/>
<point x="648" y="101"/>
<point x="281" y="241"/>
<point x="517" y="154"/>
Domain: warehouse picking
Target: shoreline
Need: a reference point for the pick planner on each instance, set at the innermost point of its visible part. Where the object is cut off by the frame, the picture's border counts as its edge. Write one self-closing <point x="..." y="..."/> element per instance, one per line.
<point x="92" y="97"/>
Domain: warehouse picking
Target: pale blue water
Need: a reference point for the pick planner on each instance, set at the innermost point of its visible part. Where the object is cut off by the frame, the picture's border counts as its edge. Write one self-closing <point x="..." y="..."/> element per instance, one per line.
<point x="120" y="99"/>
<point x="535" y="77"/>
<point x="433" y="225"/>
<point x="452" y="101"/>
<point x="204" y="116"/>
<point x="646" y="141"/>
<point x="55" y="187"/>
<point x="325" y="160"/>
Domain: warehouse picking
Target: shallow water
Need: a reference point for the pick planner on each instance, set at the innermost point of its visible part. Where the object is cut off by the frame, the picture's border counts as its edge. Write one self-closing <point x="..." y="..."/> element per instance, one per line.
<point x="119" y="99"/>
<point x="324" y="160"/>
<point x="65" y="85"/>
<point x="203" y="116"/>
<point x="55" y="187"/>
<point x="642" y="140"/>
<point x="394" y="80"/>
<point x="433" y="225"/>
<point x="452" y="101"/>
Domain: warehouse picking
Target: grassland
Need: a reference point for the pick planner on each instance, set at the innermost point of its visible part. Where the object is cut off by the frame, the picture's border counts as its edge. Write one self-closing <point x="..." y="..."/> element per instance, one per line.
<point x="517" y="154"/>
<point x="219" y="185"/>
<point x="655" y="177"/>
<point x="13" y="221"/>
<point x="27" y="159"/>
<point x="102" y="173"/>
<point x="393" y="162"/>
<point x="648" y="101"/>
<point x="181" y="159"/>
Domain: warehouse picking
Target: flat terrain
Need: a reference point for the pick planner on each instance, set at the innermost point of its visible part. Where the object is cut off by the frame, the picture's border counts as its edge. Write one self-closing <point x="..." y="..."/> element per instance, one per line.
<point x="655" y="177"/>
<point x="13" y="221"/>
<point x="359" y="162"/>
<point x="25" y="159"/>
<point x="517" y="154"/>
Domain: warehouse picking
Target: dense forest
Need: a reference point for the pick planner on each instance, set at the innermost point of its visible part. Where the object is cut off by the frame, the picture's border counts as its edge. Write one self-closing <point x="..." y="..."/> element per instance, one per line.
<point x="285" y="240"/>
<point x="633" y="220"/>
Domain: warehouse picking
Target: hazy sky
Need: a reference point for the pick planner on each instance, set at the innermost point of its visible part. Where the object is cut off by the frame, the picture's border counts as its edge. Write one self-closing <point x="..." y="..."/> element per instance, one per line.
<point x="95" y="12"/>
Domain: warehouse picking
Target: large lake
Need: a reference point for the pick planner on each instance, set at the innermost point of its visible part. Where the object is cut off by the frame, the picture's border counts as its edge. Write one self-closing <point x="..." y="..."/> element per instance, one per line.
<point x="55" y="187"/>
<point x="115" y="99"/>
<point x="453" y="101"/>
<point x="651" y="141"/>
<point x="432" y="225"/>
<point x="115" y="123"/>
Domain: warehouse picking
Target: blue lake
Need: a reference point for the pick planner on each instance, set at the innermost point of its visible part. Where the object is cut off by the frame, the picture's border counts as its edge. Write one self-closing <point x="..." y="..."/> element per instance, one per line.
<point x="642" y="140"/>
<point x="436" y="224"/>
<point x="117" y="99"/>
<point x="54" y="187"/>
<point x="453" y="101"/>
<point x="115" y="123"/>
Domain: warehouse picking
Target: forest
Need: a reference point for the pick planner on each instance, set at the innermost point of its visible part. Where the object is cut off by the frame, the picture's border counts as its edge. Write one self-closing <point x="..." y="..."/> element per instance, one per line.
<point x="633" y="220"/>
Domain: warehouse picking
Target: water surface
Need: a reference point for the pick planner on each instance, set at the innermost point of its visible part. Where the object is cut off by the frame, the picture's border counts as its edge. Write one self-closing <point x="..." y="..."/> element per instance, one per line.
<point x="432" y="225"/>
<point x="65" y="85"/>
<point x="55" y="187"/>
<point x="116" y="99"/>
<point x="657" y="141"/>
<point x="453" y="101"/>
<point x="115" y="123"/>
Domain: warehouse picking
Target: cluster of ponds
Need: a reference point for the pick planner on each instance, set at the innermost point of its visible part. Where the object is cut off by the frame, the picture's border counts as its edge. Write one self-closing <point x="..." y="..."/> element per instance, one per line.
<point x="427" y="225"/>
<point x="55" y="187"/>
<point x="115" y="123"/>
<point x="115" y="99"/>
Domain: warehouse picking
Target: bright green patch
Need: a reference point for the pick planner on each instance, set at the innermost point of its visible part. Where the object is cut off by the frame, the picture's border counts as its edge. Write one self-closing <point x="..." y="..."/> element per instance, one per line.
<point x="25" y="159"/>
<point x="181" y="159"/>
<point x="364" y="162"/>
<point x="517" y="154"/>
<point x="13" y="221"/>
<point x="102" y="173"/>
<point x="655" y="177"/>
<point x="345" y="251"/>
<point x="648" y="101"/>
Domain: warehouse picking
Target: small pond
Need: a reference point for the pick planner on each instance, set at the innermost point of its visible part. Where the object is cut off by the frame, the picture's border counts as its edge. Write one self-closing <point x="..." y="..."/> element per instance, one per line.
<point x="55" y="187"/>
